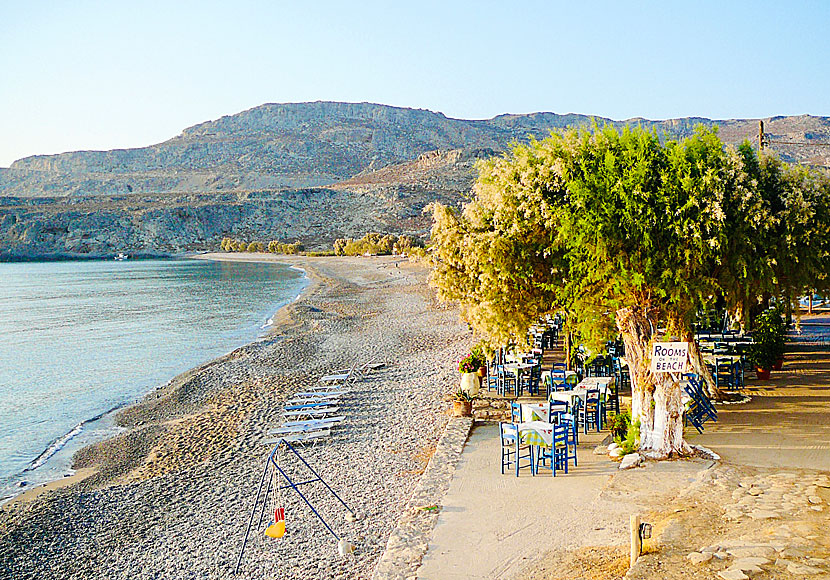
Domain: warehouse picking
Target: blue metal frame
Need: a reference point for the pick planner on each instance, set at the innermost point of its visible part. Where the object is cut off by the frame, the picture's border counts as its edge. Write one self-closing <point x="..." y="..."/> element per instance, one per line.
<point x="290" y="484"/>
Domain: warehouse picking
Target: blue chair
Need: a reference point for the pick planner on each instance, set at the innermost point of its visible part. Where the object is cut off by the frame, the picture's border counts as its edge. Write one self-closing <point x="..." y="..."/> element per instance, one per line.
<point x="512" y="449"/>
<point x="557" y="380"/>
<point x="492" y="377"/>
<point x="515" y="412"/>
<point x="569" y="421"/>
<point x="591" y="412"/>
<point x="507" y="381"/>
<point x="559" y="407"/>
<point x="557" y="453"/>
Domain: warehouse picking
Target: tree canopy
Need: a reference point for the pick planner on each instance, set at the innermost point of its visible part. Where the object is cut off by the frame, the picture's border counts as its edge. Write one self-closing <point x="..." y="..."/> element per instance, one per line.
<point x="631" y="236"/>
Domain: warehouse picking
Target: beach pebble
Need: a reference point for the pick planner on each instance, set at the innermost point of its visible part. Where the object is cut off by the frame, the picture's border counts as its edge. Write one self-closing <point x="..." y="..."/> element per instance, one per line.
<point x="732" y="574"/>
<point x="699" y="558"/>
<point x="631" y="460"/>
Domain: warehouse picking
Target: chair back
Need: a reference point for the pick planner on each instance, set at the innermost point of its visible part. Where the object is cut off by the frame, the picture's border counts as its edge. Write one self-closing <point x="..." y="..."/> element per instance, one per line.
<point x="558" y="406"/>
<point x="516" y="412"/>
<point x="560" y="435"/>
<point x="591" y="397"/>
<point x="509" y="433"/>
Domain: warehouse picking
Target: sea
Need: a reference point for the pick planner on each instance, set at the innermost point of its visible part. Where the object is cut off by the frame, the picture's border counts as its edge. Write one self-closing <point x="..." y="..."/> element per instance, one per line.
<point x="80" y="339"/>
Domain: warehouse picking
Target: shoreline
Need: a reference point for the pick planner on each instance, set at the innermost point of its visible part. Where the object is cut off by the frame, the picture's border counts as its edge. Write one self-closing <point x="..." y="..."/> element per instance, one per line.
<point x="77" y="475"/>
<point x="191" y="450"/>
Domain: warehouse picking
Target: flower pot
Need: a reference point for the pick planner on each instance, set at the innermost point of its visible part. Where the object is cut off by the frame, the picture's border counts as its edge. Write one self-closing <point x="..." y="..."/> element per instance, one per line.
<point x="482" y="372"/>
<point x="779" y="364"/>
<point x="763" y="374"/>
<point x="462" y="408"/>
<point x="470" y="383"/>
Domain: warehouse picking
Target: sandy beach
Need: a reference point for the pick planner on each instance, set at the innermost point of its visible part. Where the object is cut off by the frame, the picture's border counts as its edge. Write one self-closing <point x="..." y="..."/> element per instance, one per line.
<point x="170" y="497"/>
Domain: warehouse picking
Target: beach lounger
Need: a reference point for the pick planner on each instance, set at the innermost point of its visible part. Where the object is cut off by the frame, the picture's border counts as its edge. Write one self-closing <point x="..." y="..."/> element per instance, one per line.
<point x="340" y="376"/>
<point x="315" y="397"/>
<point x="309" y="428"/>
<point x="321" y="421"/>
<point x="312" y="413"/>
<point x="297" y="438"/>
<point x="312" y="405"/>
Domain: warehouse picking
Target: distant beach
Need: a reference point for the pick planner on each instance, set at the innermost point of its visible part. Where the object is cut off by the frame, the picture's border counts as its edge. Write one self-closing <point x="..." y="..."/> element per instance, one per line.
<point x="169" y="497"/>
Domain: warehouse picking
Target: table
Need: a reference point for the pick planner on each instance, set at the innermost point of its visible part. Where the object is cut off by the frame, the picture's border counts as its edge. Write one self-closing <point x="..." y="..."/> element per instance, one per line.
<point x="546" y="375"/>
<point x="536" y="433"/>
<point x="541" y="411"/>
<point x="581" y="389"/>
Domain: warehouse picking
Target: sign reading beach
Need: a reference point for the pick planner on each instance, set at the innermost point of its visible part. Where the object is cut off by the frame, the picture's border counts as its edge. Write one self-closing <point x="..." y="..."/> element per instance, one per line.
<point x="669" y="357"/>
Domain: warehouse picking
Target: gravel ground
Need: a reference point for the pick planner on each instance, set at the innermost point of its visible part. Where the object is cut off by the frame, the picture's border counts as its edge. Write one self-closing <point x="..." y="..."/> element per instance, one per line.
<point x="171" y="496"/>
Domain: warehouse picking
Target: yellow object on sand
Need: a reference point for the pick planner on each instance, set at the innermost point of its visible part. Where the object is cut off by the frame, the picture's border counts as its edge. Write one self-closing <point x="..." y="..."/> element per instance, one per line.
<point x="276" y="530"/>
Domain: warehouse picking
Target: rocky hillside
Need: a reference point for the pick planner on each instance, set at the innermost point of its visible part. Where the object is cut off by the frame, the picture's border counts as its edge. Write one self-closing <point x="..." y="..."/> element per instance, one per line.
<point x="309" y="171"/>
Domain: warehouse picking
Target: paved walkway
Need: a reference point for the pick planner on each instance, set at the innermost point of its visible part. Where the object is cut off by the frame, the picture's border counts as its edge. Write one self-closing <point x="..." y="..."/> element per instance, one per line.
<point x="787" y="423"/>
<point x="492" y="525"/>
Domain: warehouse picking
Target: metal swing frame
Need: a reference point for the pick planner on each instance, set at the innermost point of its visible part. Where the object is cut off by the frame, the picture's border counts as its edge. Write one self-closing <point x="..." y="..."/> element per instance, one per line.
<point x="290" y="484"/>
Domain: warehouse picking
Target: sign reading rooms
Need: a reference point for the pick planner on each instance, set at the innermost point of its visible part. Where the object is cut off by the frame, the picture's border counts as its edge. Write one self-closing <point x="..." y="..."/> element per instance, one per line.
<point x="669" y="357"/>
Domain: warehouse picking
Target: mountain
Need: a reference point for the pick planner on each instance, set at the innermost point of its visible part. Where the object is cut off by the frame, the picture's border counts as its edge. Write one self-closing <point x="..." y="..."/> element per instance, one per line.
<point x="313" y="171"/>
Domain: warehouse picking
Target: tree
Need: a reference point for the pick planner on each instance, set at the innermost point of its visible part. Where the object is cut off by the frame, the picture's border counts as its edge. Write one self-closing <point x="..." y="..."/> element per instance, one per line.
<point x="619" y="231"/>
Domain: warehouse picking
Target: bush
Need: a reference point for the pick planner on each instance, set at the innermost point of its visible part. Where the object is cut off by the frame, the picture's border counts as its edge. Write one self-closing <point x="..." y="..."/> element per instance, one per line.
<point x="631" y="441"/>
<point x="768" y="338"/>
<point x="373" y="244"/>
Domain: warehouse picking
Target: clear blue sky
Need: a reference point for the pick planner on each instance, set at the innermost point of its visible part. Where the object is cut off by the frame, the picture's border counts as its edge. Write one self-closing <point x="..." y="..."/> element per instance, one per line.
<point x="106" y="74"/>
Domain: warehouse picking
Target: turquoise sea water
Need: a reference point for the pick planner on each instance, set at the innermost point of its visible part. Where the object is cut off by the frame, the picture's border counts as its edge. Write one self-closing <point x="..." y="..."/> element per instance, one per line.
<point x="78" y="339"/>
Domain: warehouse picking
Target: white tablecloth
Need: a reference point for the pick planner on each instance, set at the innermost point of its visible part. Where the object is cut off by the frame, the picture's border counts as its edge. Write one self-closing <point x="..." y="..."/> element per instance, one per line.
<point x="536" y="433"/>
<point x="540" y="410"/>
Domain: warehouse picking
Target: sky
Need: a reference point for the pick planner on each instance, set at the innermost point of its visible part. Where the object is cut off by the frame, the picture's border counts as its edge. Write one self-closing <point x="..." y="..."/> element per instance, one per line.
<point x="111" y="74"/>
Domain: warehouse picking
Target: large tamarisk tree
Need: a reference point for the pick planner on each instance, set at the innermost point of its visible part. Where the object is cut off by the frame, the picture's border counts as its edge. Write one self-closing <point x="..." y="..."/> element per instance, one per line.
<point x="621" y="232"/>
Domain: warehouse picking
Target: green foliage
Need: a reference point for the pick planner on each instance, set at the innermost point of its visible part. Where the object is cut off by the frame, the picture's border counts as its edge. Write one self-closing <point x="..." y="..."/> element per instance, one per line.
<point x="593" y="222"/>
<point x="631" y="441"/>
<point x="277" y="247"/>
<point x="232" y="245"/>
<point x="462" y="396"/>
<point x="768" y="339"/>
<point x="620" y="424"/>
<point x="472" y="362"/>
<point x="374" y="243"/>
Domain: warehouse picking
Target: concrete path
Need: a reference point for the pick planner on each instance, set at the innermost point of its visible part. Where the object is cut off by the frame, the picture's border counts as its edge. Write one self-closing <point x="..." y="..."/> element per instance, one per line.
<point x="787" y="423"/>
<point x="493" y="525"/>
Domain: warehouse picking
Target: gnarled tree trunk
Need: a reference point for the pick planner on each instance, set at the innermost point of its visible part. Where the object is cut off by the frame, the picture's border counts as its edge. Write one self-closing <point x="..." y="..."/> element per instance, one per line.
<point x="655" y="397"/>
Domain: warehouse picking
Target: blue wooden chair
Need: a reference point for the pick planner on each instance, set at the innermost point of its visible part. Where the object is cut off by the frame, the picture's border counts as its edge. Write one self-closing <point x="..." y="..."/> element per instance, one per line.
<point x="507" y="382"/>
<point x="557" y="453"/>
<point x="515" y="412"/>
<point x="569" y="421"/>
<point x="513" y="451"/>
<point x="591" y="412"/>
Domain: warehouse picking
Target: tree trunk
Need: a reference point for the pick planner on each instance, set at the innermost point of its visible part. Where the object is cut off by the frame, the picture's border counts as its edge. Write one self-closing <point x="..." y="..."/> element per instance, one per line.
<point x="655" y="397"/>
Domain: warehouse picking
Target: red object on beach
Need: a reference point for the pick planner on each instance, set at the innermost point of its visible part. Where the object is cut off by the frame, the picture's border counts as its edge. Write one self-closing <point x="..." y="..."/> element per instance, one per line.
<point x="279" y="514"/>
<point x="763" y="374"/>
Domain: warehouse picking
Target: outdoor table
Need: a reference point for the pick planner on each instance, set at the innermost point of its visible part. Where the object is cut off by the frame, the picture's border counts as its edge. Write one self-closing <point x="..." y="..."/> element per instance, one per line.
<point x="536" y="433"/>
<point x="535" y="411"/>
<point x="546" y="376"/>
<point x="518" y="368"/>
<point x="580" y="390"/>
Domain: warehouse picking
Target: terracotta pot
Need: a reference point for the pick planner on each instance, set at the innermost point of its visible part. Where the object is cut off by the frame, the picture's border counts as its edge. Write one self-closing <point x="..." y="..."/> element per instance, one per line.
<point x="482" y="372"/>
<point x="779" y="364"/>
<point x="763" y="374"/>
<point x="462" y="408"/>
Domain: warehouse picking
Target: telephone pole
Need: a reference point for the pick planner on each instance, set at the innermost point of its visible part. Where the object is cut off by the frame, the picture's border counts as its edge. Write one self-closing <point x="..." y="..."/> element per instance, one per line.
<point x="761" y="138"/>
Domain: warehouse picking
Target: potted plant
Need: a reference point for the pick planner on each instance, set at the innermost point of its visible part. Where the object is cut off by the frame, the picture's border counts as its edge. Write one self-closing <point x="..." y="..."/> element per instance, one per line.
<point x="462" y="403"/>
<point x="469" y="367"/>
<point x="479" y="355"/>
<point x="767" y="350"/>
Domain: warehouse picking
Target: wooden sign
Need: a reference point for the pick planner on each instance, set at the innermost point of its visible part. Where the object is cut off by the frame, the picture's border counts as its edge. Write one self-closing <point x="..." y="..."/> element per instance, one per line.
<point x="669" y="357"/>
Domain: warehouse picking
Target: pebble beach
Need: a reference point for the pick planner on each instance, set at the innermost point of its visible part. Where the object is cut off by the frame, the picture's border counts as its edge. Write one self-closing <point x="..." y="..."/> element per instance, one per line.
<point x="170" y="496"/>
